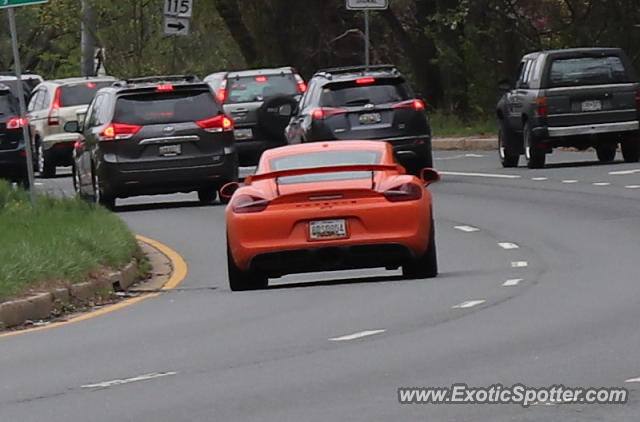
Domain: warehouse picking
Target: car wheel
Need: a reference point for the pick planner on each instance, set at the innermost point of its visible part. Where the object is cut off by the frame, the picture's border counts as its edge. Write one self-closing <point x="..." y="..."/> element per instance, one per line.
<point x="240" y="280"/>
<point x="606" y="152"/>
<point x="107" y="201"/>
<point x="631" y="150"/>
<point x="534" y="155"/>
<point x="207" y="196"/>
<point x="46" y="165"/>
<point x="426" y="265"/>
<point x="508" y="156"/>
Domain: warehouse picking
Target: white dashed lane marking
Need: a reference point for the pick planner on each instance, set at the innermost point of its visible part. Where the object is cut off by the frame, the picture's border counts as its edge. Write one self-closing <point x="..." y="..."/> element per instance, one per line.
<point x="632" y="186"/>
<point x="539" y="178"/>
<point x="601" y="184"/>
<point x="624" y="172"/>
<point x="467" y="229"/>
<point x="633" y="380"/>
<point x="512" y="282"/>
<point x="519" y="264"/>
<point x="358" y="335"/>
<point x="570" y="181"/>
<point x="145" y="377"/>
<point x="489" y="175"/>
<point x="468" y="304"/>
<point x="508" y="245"/>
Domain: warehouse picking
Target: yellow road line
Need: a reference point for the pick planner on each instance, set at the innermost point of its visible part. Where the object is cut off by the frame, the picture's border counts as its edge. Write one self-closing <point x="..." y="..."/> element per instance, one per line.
<point x="180" y="271"/>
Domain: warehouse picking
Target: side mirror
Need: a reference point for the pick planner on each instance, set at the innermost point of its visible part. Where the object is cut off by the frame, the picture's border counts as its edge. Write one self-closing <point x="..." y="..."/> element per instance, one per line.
<point x="429" y="176"/>
<point x="72" y="127"/>
<point x="227" y="191"/>
<point x="505" y="85"/>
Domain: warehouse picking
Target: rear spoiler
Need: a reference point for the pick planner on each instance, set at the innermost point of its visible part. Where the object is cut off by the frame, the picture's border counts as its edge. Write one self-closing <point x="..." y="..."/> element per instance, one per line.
<point x="319" y="170"/>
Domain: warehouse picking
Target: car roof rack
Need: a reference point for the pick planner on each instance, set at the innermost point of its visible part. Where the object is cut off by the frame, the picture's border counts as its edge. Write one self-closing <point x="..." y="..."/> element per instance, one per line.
<point x="329" y="72"/>
<point x="158" y="79"/>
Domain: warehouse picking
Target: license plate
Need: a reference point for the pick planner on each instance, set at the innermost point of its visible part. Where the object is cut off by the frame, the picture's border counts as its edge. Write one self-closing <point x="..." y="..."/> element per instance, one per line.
<point x="370" y="118"/>
<point x="241" y="134"/>
<point x="327" y="229"/>
<point x="170" y="150"/>
<point x="593" y="105"/>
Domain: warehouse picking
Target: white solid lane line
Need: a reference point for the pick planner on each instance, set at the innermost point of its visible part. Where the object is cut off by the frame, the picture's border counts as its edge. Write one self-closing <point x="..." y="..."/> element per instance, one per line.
<point x="632" y="186"/>
<point x="145" y="377"/>
<point x="601" y="184"/>
<point x="358" y="335"/>
<point x="467" y="229"/>
<point x="468" y="304"/>
<point x="539" y="178"/>
<point x="623" y="172"/>
<point x="633" y="380"/>
<point x="490" y="175"/>
<point x="512" y="282"/>
<point x="570" y="181"/>
<point x="508" y="245"/>
<point x="519" y="264"/>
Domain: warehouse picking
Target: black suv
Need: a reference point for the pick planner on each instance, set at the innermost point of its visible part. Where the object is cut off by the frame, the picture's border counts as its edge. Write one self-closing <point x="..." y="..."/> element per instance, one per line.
<point x="253" y="98"/>
<point x="13" y="164"/>
<point x="373" y="103"/>
<point x="581" y="97"/>
<point x="155" y="135"/>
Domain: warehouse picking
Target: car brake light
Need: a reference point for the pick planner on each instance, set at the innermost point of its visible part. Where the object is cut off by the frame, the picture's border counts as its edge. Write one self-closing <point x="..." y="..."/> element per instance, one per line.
<point x="415" y="104"/>
<point x="404" y="192"/>
<point x="541" y="106"/>
<point x="261" y="79"/>
<point x="324" y="112"/>
<point x="364" y="81"/>
<point x="216" y="124"/>
<point x="164" y="88"/>
<point x="91" y="85"/>
<point x="245" y="204"/>
<point x="17" y="123"/>
<point x="118" y="131"/>
<point x="302" y="87"/>
<point x="221" y="95"/>
<point x="54" y="113"/>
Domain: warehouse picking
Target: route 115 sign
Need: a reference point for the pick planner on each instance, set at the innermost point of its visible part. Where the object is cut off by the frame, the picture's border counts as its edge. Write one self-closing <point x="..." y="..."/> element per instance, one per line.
<point x="367" y="4"/>
<point x="179" y="8"/>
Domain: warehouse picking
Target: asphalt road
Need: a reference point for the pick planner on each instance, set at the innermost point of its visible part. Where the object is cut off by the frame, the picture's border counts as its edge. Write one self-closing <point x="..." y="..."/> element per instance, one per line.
<point x="566" y="238"/>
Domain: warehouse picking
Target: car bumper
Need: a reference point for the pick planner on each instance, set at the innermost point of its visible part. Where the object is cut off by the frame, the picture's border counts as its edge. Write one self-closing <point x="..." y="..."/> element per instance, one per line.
<point x="594" y="129"/>
<point x="12" y="162"/>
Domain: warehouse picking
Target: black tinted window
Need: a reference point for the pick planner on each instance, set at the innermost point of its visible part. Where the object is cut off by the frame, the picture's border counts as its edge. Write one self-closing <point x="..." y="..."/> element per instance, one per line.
<point x="257" y="88"/>
<point x="354" y="94"/>
<point x="587" y="71"/>
<point x="166" y="107"/>
<point x="80" y="94"/>
<point x="8" y="104"/>
<point x="324" y="159"/>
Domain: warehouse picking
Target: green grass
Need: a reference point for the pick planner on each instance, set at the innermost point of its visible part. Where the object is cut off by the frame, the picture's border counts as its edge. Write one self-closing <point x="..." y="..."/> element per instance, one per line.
<point x="445" y="125"/>
<point x="59" y="240"/>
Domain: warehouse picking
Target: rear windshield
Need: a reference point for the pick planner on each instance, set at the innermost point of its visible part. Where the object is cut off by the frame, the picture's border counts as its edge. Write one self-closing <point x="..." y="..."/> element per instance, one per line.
<point x="324" y="159"/>
<point x="587" y="71"/>
<point x="80" y="94"/>
<point x="256" y="88"/>
<point x="354" y="94"/>
<point x="8" y="104"/>
<point x="166" y="107"/>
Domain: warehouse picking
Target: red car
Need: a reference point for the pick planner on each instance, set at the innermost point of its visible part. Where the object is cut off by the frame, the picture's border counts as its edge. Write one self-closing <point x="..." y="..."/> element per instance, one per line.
<point x="329" y="206"/>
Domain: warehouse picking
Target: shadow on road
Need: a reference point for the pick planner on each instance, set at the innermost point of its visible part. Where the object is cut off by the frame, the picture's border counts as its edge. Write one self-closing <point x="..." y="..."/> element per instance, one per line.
<point x="578" y="164"/>
<point x="163" y="206"/>
<point x="361" y="280"/>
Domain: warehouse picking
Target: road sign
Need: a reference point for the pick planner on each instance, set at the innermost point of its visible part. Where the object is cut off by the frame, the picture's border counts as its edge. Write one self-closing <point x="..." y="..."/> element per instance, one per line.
<point x="179" y="8"/>
<point x="14" y="3"/>
<point x="176" y="26"/>
<point x="367" y="4"/>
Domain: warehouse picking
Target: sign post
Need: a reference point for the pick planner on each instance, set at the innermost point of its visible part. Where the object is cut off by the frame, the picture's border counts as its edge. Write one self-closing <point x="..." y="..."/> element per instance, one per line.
<point x="10" y="4"/>
<point x="366" y="6"/>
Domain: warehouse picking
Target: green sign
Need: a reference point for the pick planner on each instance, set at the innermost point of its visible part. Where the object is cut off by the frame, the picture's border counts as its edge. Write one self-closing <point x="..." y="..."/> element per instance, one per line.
<point x="14" y="3"/>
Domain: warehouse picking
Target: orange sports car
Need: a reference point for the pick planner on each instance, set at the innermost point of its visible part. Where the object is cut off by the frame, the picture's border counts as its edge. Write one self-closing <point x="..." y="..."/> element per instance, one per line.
<point x="327" y="206"/>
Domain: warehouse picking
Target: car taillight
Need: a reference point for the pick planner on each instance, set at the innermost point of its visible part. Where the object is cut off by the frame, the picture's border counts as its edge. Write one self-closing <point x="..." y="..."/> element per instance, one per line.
<point x="164" y="88"/>
<point x="54" y="112"/>
<point x="245" y="204"/>
<point x="17" y="123"/>
<point x="216" y="124"/>
<point x="261" y="79"/>
<point x="541" y="106"/>
<point x="118" y="131"/>
<point x="302" y="87"/>
<point x="324" y="112"/>
<point x="414" y="104"/>
<point x="404" y="192"/>
<point x="221" y="95"/>
<point x="365" y="81"/>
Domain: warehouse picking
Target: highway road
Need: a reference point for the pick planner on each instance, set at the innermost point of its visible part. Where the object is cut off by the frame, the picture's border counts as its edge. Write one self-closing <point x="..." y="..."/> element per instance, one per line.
<point x="539" y="285"/>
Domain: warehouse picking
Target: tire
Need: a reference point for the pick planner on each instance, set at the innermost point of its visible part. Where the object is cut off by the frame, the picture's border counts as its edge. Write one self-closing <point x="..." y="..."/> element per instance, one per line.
<point x="207" y="196"/>
<point x="240" y="280"/>
<point x="426" y="265"/>
<point x="509" y="157"/>
<point x="535" y="157"/>
<point x="631" y="150"/>
<point x="46" y="164"/>
<point x="606" y="152"/>
<point x="107" y="201"/>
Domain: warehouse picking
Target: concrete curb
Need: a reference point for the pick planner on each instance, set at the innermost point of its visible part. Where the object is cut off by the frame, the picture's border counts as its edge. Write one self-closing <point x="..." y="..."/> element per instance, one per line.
<point x="42" y="306"/>
<point x="470" y="143"/>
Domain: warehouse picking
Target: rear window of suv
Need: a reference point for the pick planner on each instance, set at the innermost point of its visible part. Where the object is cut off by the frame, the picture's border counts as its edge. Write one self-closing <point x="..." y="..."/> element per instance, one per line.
<point x="166" y="107"/>
<point x="381" y="91"/>
<point x="248" y="89"/>
<point x="8" y="103"/>
<point x="587" y="71"/>
<point x="81" y="94"/>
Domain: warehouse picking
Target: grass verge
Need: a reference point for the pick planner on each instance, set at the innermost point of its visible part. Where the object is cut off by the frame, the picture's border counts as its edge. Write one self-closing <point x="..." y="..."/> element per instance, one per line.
<point x="57" y="241"/>
<point x="445" y="125"/>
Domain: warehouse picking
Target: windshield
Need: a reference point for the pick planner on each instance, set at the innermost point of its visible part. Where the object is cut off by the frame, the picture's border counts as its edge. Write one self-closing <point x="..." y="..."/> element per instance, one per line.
<point x="80" y="94"/>
<point x="324" y="159"/>
<point x="587" y="71"/>
<point x="256" y="88"/>
<point x="166" y="107"/>
<point x="352" y="94"/>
